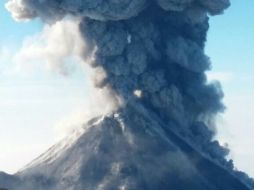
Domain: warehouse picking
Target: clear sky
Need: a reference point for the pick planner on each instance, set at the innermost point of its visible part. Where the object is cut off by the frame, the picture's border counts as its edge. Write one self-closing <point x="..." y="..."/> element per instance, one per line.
<point x="231" y="48"/>
<point x="33" y="101"/>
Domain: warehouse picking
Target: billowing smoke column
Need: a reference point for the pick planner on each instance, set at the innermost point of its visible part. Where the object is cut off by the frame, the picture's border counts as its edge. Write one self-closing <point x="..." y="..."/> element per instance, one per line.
<point x="151" y="51"/>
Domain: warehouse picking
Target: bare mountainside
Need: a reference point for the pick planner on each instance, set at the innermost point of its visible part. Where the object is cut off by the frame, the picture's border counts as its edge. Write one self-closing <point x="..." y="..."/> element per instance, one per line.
<point x="131" y="150"/>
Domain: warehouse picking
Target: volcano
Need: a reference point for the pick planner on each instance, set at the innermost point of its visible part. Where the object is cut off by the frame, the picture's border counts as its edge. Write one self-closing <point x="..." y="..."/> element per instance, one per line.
<point x="150" y="56"/>
<point x="131" y="149"/>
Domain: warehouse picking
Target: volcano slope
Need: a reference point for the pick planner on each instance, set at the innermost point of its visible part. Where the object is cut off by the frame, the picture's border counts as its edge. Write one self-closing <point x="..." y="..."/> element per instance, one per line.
<point x="131" y="149"/>
<point x="150" y="55"/>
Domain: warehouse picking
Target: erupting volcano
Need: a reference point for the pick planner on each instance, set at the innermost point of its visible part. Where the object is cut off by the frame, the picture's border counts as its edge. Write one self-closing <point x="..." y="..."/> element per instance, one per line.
<point x="150" y="55"/>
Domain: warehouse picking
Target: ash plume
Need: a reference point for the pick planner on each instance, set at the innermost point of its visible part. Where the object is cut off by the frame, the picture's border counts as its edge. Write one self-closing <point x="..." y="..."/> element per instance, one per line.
<point x="156" y="47"/>
<point x="153" y="47"/>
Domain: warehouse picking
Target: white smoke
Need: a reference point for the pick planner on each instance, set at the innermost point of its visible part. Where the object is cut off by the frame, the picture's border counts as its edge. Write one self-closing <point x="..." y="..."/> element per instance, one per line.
<point x="19" y="11"/>
<point x="99" y="102"/>
<point x="59" y="47"/>
<point x="56" y="46"/>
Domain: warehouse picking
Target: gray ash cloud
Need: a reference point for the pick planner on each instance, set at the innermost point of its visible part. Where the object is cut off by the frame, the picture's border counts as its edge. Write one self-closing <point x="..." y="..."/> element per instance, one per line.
<point x="153" y="46"/>
<point x="107" y="10"/>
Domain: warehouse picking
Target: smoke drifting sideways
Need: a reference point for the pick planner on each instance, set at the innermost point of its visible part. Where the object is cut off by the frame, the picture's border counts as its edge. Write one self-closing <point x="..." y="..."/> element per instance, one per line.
<point x="151" y="50"/>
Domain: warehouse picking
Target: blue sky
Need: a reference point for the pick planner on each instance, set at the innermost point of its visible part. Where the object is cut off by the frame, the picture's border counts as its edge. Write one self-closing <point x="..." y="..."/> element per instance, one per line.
<point x="230" y="42"/>
<point x="231" y="48"/>
<point x="32" y="103"/>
